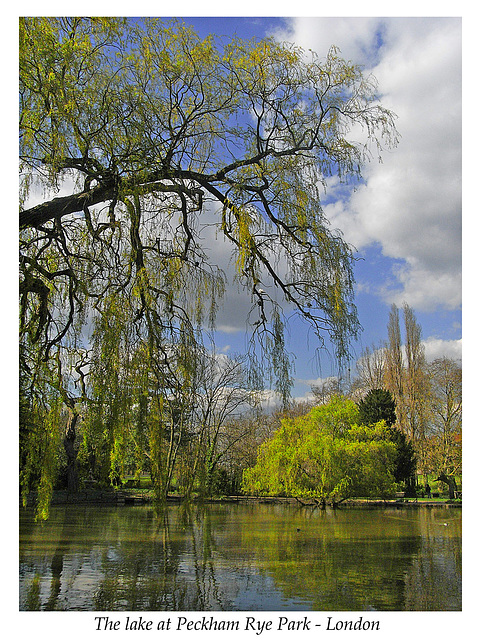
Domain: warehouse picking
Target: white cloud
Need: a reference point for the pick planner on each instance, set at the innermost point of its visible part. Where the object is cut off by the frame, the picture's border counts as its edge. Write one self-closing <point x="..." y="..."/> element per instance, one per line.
<point x="269" y="400"/>
<point x="435" y="348"/>
<point x="318" y="382"/>
<point x="355" y="37"/>
<point x="411" y="203"/>
<point x="423" y="288"/>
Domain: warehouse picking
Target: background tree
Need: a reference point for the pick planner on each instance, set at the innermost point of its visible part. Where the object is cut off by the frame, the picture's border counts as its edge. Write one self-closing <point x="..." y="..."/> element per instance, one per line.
<point x="443" y="438"/>
<point x="416" y="385"/>
<point x="324" y="391"/>
<point x="370" y="369"/>
<point x="221" y="395"/>
<point x="251" y="430"/>
<point x="378" y="406"/>
<point x="405" y="373"/>
<point x="394" y="377"/>
<point x="407" y="380"/>
<point x="325" y="456"/>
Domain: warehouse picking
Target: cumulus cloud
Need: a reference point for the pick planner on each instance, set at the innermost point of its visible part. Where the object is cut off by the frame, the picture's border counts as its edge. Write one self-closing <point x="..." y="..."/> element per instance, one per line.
<point x="411" y="203"/>
<point x="356" y="37"/>
<point x="435" y="348"/>
<point x="424" y="288"/>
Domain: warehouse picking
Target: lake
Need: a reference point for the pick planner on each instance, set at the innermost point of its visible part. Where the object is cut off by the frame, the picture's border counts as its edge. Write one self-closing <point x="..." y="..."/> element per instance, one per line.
<point x="241" y="557"/>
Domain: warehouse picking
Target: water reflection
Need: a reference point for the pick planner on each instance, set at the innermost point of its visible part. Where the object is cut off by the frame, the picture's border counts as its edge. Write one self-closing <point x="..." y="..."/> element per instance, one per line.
<point x="240" y="557"/>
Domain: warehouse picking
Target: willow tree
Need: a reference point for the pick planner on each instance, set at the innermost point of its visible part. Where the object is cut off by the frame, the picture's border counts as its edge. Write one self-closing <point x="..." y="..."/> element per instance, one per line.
<point x="325" y="456"/>
<point x="163" y="141"/>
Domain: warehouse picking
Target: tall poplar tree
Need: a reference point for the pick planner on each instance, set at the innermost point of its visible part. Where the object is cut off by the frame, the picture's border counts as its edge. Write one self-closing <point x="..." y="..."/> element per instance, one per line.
<point x="394" y="373"/>
<point x="406" y="378"/>
<point x="416" y="385"/>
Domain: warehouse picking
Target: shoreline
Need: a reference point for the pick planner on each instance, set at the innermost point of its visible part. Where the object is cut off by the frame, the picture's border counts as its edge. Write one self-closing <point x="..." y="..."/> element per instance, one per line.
<point x="132" y="497"/>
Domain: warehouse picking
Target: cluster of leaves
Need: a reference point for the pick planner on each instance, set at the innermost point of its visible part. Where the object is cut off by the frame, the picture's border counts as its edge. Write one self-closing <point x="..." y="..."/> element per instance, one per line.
<point x="325" y="455"/>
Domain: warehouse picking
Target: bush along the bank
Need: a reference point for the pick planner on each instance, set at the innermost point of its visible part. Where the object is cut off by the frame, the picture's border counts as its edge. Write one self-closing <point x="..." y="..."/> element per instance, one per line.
<point x="326" y="456"/>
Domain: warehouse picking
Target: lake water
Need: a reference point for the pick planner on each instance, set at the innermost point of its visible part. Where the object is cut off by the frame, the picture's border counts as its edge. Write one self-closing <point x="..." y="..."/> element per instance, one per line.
<point x="244" y="557"/>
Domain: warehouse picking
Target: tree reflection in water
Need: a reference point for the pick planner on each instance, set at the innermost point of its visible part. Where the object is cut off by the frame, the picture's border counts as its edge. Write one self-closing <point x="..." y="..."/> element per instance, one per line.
<point x="240" y="557"/>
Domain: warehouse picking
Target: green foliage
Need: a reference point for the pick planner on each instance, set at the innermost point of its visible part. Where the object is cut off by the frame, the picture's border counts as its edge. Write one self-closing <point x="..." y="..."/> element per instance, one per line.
<point x="325" y="455"/>
<point x="377" y="405"/>
<point x="221" y="483"/>
<point x="405" y="461"/>
<point x="40" y="454"/>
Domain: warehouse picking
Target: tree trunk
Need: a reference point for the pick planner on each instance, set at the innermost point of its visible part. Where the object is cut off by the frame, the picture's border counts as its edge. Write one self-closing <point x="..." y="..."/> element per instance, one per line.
<point x="70" y="450"/>
<point x="64" y="205"/>
<point x="411" y="486"/>
<point x="451" y="482"/>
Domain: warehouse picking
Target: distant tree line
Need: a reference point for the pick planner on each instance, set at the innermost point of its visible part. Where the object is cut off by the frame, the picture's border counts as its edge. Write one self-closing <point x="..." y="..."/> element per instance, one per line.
<point x="427" y="396"/>
<point x="197" y="427"/>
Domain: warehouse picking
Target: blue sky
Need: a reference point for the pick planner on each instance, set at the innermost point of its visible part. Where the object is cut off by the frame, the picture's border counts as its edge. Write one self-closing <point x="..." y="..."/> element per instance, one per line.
<point x="405" y="219"/>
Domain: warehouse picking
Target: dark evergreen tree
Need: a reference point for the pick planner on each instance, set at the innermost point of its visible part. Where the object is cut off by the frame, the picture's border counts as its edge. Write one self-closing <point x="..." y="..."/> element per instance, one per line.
<point x="380" y="405"/>
<point x="377" y="405"/>
<point x="405" y="465"/>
